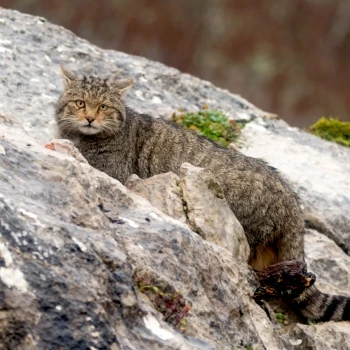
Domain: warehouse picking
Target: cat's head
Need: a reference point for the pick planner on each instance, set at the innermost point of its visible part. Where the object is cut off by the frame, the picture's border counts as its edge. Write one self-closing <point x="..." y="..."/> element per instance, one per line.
<point x="91" y="105"/>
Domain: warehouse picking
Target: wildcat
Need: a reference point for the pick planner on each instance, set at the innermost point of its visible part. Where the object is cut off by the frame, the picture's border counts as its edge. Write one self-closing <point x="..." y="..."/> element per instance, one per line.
<point x="120" y="142"/>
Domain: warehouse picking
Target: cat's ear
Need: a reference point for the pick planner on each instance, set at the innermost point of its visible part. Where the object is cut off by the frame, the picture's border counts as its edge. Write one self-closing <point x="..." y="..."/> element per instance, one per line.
<point x="123" y="85"/>
<point x="67" y="75"/>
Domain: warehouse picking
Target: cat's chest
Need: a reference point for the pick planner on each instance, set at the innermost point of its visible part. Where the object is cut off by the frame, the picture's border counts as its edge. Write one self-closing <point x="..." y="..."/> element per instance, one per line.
<point x="111" y="158"/>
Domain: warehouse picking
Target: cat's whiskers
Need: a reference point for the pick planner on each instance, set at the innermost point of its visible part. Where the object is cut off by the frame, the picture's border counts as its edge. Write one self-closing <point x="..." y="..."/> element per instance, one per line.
<point x="110" y="128"/>
<point x="67" y="125"/>
<point x="66" y="118"/>
<point x="66" y="122"/>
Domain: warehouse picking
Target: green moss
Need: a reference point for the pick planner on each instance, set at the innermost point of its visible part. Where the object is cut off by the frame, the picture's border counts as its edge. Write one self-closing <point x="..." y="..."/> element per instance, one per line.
<point x="332" y="129"/>
<point x="210" y="123"/>
<point x="281" y="318"/>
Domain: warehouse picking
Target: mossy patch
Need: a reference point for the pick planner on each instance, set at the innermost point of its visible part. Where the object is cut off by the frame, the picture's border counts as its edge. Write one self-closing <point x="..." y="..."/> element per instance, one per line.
<point x="281" y="318"/>
<point x="212" y="124"/>
<point x="332" y="129"/>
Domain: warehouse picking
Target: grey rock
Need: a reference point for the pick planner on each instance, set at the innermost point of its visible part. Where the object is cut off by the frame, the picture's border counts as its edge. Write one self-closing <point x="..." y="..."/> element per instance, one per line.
<point x="66" y="146"/>
<point x="327" y="336"/>
<point x="75" y="243"/>
<point x="208" y="212"/>
<point x="162" y="191"/>
<point x="328" y="262"/>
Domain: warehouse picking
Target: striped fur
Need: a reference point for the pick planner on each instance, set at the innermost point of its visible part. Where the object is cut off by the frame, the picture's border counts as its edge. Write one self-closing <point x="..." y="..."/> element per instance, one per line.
<point x="120" y="142"/>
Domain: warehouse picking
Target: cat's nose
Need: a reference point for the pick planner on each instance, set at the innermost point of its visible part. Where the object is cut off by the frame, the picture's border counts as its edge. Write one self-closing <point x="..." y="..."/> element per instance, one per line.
<point x="90" y="119"/>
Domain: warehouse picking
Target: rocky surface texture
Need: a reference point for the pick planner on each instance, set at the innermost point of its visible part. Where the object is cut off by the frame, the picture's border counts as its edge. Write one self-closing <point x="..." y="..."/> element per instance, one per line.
<point x="197" y="199"/>
<point x="75" y="244"/>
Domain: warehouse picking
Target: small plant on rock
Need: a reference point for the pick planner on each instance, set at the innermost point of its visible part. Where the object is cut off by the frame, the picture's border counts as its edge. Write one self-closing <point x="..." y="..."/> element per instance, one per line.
<point x="173" y="306"/>
<point x="212" y="124"/>
<point x="281" y="318"/>
<point x="332" y="129"/>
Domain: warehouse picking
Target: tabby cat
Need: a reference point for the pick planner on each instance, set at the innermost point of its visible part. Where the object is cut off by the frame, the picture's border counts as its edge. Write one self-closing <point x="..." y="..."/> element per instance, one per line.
<point x="118" y="141"/>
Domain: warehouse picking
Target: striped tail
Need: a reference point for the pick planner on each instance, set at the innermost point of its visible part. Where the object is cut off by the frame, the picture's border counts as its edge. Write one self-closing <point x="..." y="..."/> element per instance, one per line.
<point x="321" y="307"/>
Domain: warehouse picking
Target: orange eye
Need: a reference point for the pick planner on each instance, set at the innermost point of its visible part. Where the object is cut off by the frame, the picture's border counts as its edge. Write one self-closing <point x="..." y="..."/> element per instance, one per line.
<point x="103" y="107"/>
<point x="80" y="103"/>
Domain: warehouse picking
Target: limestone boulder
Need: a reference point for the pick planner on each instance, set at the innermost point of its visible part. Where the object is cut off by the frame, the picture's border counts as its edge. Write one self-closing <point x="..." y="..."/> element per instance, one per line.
<point x="162" y="191"/>
<point x="75" y="246"/>
<point x="328" y="262"/>
<point x="208" y="212"/>
<point x="197" y="199"/>
<point x="81" y="255"/>
<point x="327" y="336"/>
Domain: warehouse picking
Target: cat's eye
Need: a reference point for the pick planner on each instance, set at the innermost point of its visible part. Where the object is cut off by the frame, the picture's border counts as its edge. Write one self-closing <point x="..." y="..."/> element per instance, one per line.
<point x="103" y="107"/>
<point x="80" y="103"/>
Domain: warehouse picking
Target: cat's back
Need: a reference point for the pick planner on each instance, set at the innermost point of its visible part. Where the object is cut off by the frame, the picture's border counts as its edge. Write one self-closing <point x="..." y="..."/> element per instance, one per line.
<point x="164" y="146"/>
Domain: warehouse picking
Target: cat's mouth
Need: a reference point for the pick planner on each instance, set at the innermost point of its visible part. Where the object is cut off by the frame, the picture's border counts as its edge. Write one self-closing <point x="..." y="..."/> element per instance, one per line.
<point x="89" y="129"/>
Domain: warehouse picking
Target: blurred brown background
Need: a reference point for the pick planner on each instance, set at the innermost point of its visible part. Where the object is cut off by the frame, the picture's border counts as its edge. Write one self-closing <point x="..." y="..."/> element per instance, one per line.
<point x="290" y="57"/>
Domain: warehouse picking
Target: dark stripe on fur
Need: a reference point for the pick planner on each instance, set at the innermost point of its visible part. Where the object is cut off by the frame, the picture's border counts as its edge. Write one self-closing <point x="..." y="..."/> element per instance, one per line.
<point x="61" y="108"/>
<point x="321" y="307"/>
<point x="346" y="311"/>
<point x="331" y="308"/>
